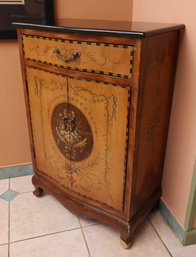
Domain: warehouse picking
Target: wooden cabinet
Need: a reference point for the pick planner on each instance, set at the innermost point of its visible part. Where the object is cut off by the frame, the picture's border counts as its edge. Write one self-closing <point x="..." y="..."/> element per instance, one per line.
<point x="98" y="103"/>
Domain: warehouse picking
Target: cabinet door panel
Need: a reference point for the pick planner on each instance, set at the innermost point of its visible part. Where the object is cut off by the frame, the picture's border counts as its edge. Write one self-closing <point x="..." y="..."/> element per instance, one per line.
<point x="46" y="91"/>
<point x="101" y="174"/>
<point x="80" y="130"/>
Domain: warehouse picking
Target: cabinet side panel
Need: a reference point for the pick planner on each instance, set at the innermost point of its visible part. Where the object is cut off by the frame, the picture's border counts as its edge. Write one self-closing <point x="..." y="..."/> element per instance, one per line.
<point x="157" y="72"/>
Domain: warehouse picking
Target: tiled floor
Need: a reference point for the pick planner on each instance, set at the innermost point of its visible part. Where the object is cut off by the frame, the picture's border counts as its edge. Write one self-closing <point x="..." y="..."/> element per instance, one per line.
<point x="42" y="227"/>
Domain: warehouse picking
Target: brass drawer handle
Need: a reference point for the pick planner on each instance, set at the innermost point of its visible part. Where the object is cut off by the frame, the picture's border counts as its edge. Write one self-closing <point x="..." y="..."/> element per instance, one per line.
<point x="74" y="54"/>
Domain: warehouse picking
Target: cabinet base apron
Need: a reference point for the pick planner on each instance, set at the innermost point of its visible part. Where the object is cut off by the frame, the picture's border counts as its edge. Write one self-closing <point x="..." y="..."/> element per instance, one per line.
<point x="127" y="229"/>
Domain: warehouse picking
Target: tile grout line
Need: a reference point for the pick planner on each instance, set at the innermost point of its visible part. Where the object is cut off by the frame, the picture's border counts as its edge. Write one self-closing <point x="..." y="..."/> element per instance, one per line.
<point x="50" y="234"/>
<point x="3" y="244"/>
<point x="21" y="193"/>
<point x="159" y="236"/>
<point x="84" y="238"/>
<point x="89" y="225"/>
<point x="54" y="233"/>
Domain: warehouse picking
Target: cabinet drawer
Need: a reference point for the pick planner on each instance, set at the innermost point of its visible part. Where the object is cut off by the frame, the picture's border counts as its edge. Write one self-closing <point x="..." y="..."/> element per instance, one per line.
<point x="96" y="57"/>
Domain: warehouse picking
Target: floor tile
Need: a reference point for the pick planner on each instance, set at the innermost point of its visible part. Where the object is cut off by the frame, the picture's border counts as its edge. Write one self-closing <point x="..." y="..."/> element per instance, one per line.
<point x="66" y="244"/>
<point x="169" y="237"/>
<point x="104" y="242"/>
<point x="4" y="212"/>
<point x="4" y="185"/>
<point x="9" y="195"/>
<point x="87" y="221"/>
<point x="22" y="184"/>
<point x="31" y="217"/>
<point x="4" y="251"/>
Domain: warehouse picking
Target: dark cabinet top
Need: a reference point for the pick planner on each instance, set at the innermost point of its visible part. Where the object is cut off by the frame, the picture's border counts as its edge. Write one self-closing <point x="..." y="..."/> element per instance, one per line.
<point x="118" y="28"/>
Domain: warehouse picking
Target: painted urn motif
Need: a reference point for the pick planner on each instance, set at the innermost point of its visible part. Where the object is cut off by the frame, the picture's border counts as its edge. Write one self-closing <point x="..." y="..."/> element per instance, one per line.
<point x="72" y="132"/>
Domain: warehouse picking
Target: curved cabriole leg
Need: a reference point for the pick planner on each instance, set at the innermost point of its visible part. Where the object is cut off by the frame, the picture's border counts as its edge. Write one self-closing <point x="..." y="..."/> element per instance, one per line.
<point x="38" y="191"/>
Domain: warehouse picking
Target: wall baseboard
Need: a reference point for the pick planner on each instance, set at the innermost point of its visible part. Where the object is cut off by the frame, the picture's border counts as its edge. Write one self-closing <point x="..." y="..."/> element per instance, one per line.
<point x="186" y="237"/>
<point x="16" y="171"/>
<point x="189" y="237"/>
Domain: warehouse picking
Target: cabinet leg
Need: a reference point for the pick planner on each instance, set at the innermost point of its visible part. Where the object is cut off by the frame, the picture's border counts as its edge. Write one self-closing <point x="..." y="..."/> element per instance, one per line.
<point x="125" y="245"/>
<point x="38" y="191"/>
<point x="126" y="240"/>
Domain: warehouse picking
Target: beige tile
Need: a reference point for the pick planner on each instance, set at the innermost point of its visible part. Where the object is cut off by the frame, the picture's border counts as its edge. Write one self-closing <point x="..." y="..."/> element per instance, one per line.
<point x="4" y="212"/>
<point x="104" y="242"/>
<point x="4" y="251"/>
<point x="87" y="221"/>
<point x="188" y="251"/>
<point x="4" y="185"/>
<point x="66" y="244"/>
<point x="22" y="184"/>
<point x="31" y="216"/>
<point x="169" y="237"/>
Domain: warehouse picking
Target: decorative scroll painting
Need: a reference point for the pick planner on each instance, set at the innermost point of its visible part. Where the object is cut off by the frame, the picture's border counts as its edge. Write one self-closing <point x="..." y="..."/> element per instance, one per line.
<point x="80" y="133"/>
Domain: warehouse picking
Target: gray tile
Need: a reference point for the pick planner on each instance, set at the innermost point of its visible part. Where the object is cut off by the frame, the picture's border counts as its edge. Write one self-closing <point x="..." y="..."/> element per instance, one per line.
<point x="9" y="195"/>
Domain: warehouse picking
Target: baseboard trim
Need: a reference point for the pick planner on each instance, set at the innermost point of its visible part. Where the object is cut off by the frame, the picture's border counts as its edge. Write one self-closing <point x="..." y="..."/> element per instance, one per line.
<point x="186" y="237"/>
<point x="16" y="171"/>
<point x="189" y="237"/>
<point x="191" y="207"/>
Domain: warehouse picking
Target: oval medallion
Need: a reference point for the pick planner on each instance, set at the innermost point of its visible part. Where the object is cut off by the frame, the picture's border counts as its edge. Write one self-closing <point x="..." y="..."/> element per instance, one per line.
<point x="72" y="132"/>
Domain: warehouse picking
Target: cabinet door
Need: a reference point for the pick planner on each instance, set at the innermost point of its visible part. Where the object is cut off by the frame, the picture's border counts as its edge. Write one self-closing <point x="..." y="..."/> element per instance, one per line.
<point x="46" y="91"/>
<point x="80" y="131"/>
<point x="99" y="162"/>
